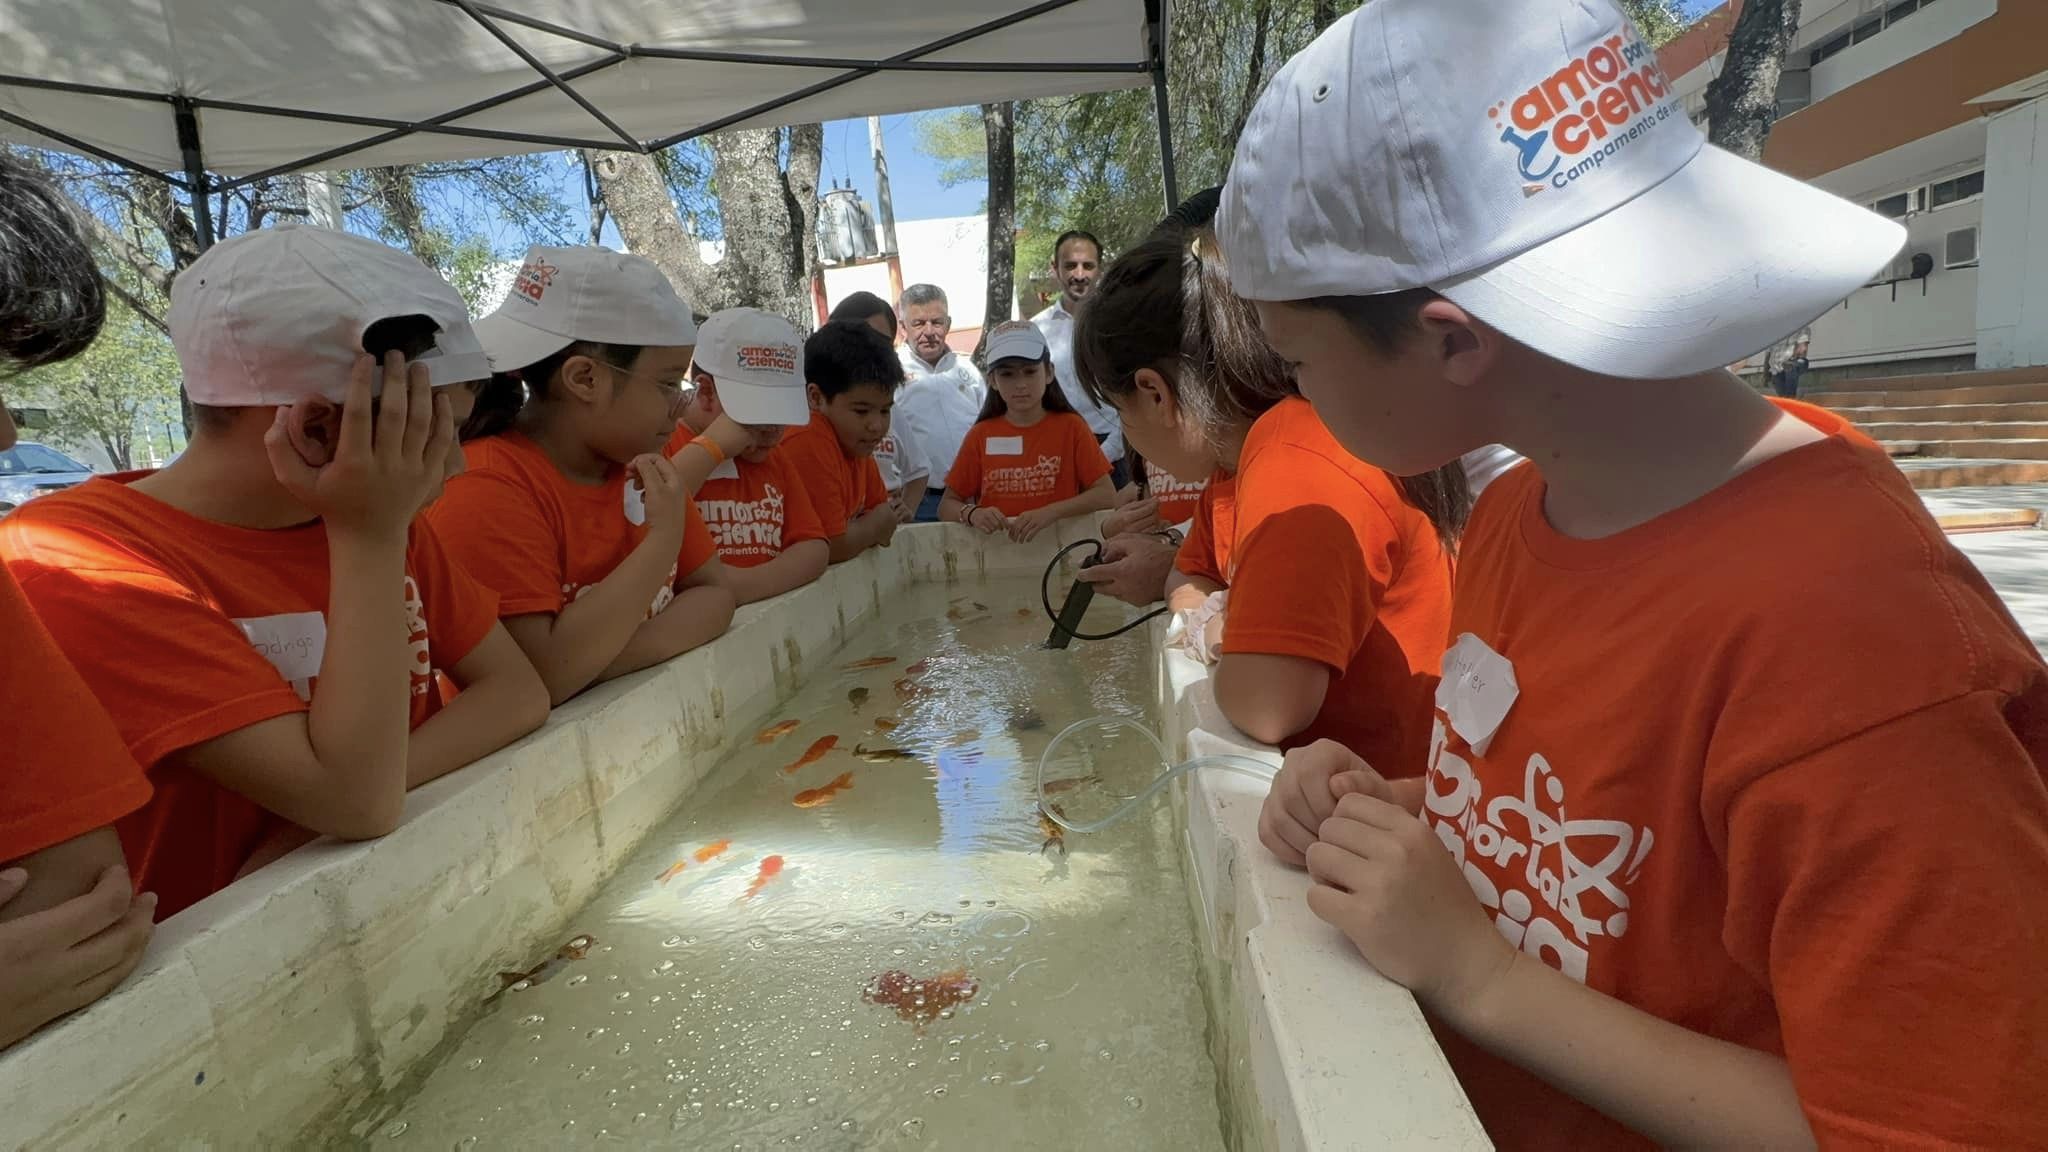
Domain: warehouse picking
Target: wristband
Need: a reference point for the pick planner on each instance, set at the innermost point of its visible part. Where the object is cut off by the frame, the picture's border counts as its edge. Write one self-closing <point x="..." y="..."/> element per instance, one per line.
<point x="966" y="511"/>
<point x="711" y="446"/>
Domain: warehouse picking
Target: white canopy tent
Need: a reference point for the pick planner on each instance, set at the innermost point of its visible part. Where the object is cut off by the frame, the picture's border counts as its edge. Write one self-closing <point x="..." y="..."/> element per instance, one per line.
<point x="214" y="94"/>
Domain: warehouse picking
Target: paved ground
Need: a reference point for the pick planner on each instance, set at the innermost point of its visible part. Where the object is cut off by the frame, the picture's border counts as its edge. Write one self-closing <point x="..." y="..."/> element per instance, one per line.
<point x="1946" y="500"/>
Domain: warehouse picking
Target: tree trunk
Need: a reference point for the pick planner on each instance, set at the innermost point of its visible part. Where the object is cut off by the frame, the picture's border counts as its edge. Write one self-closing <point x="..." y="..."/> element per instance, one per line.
<point x="762" y="223"/>
<point x="1742" y="102"/>
<point x="999" y="123"/>
<point x="398" y="197"/>
<point x="1325" y="14"/>
<point x="800" y="190"/>
<point x="1255" y="71"/>
<point x="767" y="210"/>
<point x="638" y="199"/>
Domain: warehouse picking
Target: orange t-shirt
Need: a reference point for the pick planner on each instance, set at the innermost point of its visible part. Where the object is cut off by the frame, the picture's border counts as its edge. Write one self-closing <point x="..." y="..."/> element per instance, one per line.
<point x="755" y="512"/>
<point x="1178" y="499"/>
<point x="187" y="629"/>
<point x="1015" y="470"/>
<point x="839" y="486"/>
<point x="1327" y="561"/>
<point x="68" y="771"/>
<point x="540" y="539"/>
<point x="1775" y="774"/>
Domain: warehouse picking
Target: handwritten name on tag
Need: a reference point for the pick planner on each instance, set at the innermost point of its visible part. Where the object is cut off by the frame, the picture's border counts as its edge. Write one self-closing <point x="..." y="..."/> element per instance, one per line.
<point x="1477" y="690"/>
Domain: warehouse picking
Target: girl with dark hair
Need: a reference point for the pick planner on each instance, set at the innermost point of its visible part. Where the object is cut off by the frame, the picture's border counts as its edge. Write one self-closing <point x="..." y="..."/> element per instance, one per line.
<point x="1030" y="460"/>
<point x="1318" y="585"/>
<point x="568" y="509"/>
<point x="69" y="775"/>
<point x="869" y="309"/>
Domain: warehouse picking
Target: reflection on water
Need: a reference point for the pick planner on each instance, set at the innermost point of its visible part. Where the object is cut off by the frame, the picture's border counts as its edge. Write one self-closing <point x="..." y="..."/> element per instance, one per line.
<point x="904" y="961"/>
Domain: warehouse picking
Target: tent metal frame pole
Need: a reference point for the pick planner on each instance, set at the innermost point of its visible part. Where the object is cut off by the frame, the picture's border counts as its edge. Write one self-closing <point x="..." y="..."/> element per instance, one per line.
<point x="429" y="125"/>
<point x="85" y="149"/>
<point x="194" y="155"/>
<point x="517" y="49"/>
<point x="1155" y="41"/>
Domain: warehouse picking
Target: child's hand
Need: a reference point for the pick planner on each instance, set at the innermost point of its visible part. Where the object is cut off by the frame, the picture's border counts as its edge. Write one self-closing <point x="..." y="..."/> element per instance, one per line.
<point x="63" y="958"/>
<point x="987" y="519"/>
<point x="384" y="467"/>
<point x="1137" y="516"/>
<point x="1306" y="792"/>
<point x="662" y="494"/>
<point x="1386" y="881"/>
<point x="1026" y="525"/>
<point x="891" y="518"/>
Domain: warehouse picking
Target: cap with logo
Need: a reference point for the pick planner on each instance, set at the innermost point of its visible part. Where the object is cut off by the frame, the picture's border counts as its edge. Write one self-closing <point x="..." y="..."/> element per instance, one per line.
<point x="562" y="295"/>
<point x="277" y="315"/>
<point x="757" y="360"/>
<point x="1542" y="175"/>
<point x="1015" y="340"/>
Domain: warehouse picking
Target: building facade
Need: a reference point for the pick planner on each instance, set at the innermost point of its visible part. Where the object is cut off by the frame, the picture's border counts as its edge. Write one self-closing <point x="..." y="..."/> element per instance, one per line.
<point x="1935" y="113"/>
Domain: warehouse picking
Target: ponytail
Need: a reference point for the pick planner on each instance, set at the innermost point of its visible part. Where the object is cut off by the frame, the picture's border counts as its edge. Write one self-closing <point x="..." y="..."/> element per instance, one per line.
<point x="506" y="394"/>
<point x="1443" y="495"/>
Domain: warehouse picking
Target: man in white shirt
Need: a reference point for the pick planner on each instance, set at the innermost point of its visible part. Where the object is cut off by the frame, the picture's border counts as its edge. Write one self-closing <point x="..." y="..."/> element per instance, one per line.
<point x="1077" y="261"/>
<point x="942" y="391"/>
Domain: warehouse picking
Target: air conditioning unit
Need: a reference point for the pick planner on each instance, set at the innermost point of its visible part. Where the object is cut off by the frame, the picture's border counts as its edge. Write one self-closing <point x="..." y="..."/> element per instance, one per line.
<point x="1959" y="248"/>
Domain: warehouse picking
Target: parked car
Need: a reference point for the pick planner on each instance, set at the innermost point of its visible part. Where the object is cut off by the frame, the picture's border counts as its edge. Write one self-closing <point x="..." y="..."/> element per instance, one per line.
<point x="29" y="470"/>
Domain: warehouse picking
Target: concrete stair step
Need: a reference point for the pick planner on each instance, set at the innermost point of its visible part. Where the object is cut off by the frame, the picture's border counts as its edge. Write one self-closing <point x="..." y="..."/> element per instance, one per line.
<point x="1947" y="413"/>
<point x="1944" y="432"/>
<point x="1989" y="520"/>
<point x="1936" y="472"/>
<point x="1975" y="449"/>
<point x="1936" y="381"/>
<point x="1879" y="394"/>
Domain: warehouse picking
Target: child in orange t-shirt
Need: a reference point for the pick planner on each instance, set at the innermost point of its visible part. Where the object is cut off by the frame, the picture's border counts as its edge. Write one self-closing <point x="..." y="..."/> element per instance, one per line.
<point x="852" y="374"/>
<point x="1338" y="575"/>
<point x="69" y="777"/>
<point x="264" y="617"/>
<point x="1030" y="461"/>
<point x="1736" y="822"/>
<point x="568" y="508"/>
<point x="750" y="365"/>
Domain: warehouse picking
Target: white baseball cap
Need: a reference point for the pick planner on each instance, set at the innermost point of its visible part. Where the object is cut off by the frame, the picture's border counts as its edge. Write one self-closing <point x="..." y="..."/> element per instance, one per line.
<point x="277" y="316"/>
<point x="757" y="358"/>
<point x="1530" y="162"/>
<point x="1015" y="340"/>
<point x="562" y="295"/>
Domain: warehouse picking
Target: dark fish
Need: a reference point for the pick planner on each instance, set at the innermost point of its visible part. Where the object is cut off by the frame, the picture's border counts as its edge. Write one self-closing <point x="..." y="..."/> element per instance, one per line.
<point x="576" y="949"/>
<point x="885" y="755"/>
<point x="858" y="698"/>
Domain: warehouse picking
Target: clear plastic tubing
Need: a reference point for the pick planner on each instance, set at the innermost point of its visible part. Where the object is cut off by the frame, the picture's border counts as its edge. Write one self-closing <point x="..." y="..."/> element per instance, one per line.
<point x="1243" y="765"/>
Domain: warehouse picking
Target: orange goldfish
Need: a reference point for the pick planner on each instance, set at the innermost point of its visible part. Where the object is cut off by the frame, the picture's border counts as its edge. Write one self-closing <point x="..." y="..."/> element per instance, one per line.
<point x="705" y="854"/>
<point x="919" y="668"/>
<point x="870" y="662"/>
<point x="774" y="732"/>
<point x="771" y="867"/>
<point x="673" y="871"/>
<point x="1023" y="613"/>
<point x="886" y="723"/>
<point x="812" y="797"/>
<point x="907" y="688"/>
<point x="817" y="750"/>
<point x="1068" y="783"/>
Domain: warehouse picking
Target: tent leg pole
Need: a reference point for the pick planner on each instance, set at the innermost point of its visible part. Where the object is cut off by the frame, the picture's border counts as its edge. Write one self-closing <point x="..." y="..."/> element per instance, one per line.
<point x="195" y="169"/>
<point x="1166" y="169"/>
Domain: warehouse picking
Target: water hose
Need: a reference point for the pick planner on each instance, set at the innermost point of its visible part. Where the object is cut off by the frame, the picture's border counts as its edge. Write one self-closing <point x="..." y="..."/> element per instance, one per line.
<point x="1243" y="765"/>
<point x="1063" y="621"/>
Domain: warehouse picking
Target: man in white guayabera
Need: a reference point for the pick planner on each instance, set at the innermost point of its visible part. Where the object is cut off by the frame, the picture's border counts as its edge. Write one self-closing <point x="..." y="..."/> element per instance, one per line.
<point x="942" y="390"/>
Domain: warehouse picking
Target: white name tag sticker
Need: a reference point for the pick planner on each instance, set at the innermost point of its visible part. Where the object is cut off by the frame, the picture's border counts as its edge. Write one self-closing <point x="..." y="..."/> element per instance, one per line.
<point x="723" y="470"/>
<point x="1477" y="690"/>
<point x="294" y="643"/>
<point x="1003" y="446"/>
<point x="636" y="503"/>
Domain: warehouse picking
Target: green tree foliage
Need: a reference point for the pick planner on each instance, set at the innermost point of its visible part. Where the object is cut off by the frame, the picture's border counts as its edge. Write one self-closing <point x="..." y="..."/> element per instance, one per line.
<point x="124" y="387"/>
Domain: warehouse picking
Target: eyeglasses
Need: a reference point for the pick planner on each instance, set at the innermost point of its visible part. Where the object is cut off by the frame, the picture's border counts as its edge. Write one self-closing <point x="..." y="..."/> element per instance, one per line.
<point x="671" y="387"/>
